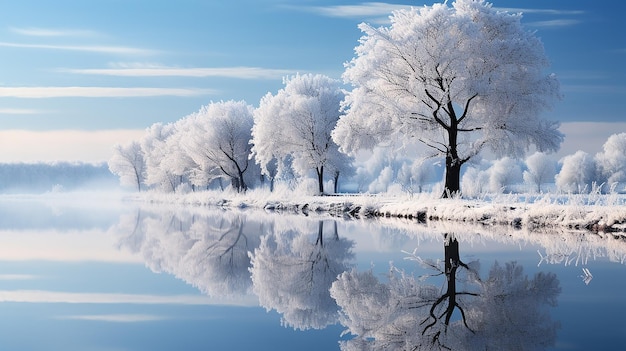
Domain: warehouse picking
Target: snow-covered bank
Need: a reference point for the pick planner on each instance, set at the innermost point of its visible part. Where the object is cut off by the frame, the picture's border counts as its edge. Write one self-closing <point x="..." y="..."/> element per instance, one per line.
<point x="595" y="212"/>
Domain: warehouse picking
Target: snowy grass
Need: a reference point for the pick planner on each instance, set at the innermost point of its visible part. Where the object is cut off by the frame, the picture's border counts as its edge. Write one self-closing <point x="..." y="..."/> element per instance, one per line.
<point x="595" y="212"/>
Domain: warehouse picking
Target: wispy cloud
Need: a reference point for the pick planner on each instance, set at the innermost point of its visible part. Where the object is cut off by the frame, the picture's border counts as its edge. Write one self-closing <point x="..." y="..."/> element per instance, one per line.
<point x="139" y="70"/>
<point x="374" y="12"/>
<point x="48" y="32"/>
<point x="44" y="296"/>
<point x="379" y="11"/>
<point x="366" y="9"/>
<point x="19" y="111"/>
<point x="119" y="50"/>
<point x="554" y="23"/>
<point x="541" y="11"/>
<point x="18" y="277"/>
<point x="118" y="318"/>
<point x="98" y="92"/>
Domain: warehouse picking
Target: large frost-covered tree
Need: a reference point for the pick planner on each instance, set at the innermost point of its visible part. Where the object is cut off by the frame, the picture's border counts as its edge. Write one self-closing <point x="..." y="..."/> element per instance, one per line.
<point x="221" y="139"/>
<point x="295" y="125"/>
<point x="459" y="79"/>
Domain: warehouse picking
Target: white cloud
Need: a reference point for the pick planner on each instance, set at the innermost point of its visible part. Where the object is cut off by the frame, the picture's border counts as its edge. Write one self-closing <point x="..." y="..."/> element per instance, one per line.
<point x="96" y="92"/>
<point x="366" y="9"/>
<point x="379" y="12"/>
<point x="555" y="23"/>
<point x="241" y="72"/>
<point x="123" y="50"/>
<point x="62" y="145"/>
<point x="119" y="318"/>
<point x="48" y="32"/>
<point x="541" y="11"/>
<point x="19" y="111"/>
<point x="18" y="277"/>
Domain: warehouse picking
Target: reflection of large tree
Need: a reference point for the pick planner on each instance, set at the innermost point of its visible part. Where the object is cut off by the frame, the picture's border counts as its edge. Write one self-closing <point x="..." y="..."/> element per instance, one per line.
<point x="292" y="274"/>
<point x="209" y="250"/>
<point x="506" y="311"/>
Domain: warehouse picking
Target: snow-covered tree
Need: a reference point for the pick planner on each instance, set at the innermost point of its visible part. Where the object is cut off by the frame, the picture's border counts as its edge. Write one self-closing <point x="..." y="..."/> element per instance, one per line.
<point x="128" y="163"/>
<point x="541" y="169"/>
<point x="296" y="124"/>
<point x="578" y="173"/>
<point x="504" y="173"/>
<point x="459" y="79"/>
<point x="155" y="150"/>
<point x="176" y="160"/>
<point x="292" y="274"/>
<point x="220" y="140"/>
<point x="611" y="161"/>
<point x="475" y="181"/>
<point x="413" y="176"/>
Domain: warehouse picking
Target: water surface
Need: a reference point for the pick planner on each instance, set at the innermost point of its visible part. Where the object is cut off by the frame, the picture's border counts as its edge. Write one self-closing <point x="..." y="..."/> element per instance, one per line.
<point x="100" y="275"/>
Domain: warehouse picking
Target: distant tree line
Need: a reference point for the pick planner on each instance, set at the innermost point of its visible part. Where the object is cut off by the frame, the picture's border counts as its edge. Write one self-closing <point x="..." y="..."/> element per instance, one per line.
<point x="54" y="176"/>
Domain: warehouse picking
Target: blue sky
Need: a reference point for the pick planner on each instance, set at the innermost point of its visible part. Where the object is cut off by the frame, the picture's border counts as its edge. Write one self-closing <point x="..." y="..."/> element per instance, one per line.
<point x="107" y="69"/>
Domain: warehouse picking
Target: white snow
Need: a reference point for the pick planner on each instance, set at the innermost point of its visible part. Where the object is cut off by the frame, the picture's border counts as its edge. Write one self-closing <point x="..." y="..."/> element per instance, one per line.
<point x="593" y="212"/>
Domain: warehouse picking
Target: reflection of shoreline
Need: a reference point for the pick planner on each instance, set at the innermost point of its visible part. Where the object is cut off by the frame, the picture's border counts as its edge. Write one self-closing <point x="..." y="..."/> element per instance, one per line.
<point x="558" y="246"/>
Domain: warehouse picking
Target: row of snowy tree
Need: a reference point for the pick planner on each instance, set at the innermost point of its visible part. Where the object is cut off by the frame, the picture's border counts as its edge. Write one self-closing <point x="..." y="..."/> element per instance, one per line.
<point x="580" y="172"/>
<point x="230" y="143"/>
<point x="386" y="171"/>
<point x="458" y="79"/>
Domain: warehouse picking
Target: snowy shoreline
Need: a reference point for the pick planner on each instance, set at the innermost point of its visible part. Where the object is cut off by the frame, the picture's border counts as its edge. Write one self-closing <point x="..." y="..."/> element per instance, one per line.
<point x="593" y="213"/>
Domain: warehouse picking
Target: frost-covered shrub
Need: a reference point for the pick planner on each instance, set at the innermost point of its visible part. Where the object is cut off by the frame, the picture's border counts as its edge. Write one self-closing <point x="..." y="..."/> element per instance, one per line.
<point x="611" y="162"/>
<point x="474" y="182"/>
<point x="503" y="174"/>
<point x="382" y="182"/>
<point x="578" y="173"/>
<point x="540" y="169"/>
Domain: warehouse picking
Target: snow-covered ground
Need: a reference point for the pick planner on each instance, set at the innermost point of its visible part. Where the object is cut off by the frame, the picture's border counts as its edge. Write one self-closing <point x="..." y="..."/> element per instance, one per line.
<point x="593" y="212"/>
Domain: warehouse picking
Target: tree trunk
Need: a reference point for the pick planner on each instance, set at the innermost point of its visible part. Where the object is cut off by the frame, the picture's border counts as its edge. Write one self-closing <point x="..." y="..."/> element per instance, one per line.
<point x="453" y="177"/>
<point x="336" y="182"/>
<point x="320" y="179"/>
<point x="242" y="183"/>
<point x="320" y="234"/>
<point x="453" y="162"/>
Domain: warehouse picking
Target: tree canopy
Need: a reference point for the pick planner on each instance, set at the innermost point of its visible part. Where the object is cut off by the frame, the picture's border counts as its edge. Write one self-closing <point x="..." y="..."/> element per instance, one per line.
<point x="294" y="126"/>
<point x="459" y="79"/>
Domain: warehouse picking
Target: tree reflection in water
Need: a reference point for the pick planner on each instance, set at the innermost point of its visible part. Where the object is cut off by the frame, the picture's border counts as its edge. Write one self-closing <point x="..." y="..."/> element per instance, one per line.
<point x="505" y="311"/>
<point x="292" y="274"/>
<point x="302" y="268"/>
<point x="208" y="250"/>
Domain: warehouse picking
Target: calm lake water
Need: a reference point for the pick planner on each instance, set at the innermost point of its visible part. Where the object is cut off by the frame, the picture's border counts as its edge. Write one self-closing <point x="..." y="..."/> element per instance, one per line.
<point x="79" y="274"/>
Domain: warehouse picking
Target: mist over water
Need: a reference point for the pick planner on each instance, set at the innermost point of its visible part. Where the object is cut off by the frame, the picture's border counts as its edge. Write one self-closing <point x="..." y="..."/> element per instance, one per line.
<point x="37" y="178"/>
